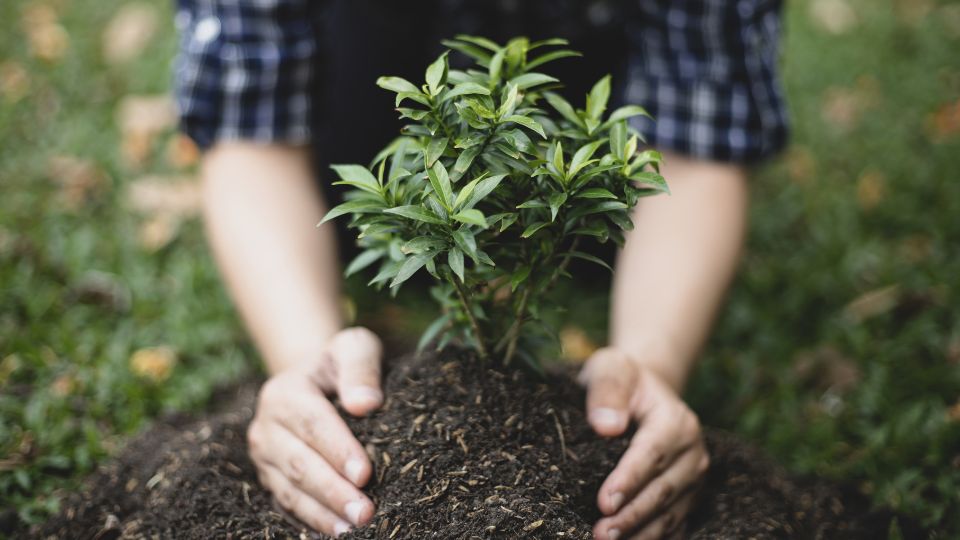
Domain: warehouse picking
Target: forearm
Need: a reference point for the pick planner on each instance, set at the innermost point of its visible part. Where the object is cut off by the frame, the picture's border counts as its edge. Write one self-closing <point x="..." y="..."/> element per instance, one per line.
<point x="261" y="205"/>
<point x="677" y="264"/>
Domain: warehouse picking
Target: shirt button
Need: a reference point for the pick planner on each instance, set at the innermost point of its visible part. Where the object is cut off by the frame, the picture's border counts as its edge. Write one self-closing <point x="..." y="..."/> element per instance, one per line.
<point x="207" y="30"/>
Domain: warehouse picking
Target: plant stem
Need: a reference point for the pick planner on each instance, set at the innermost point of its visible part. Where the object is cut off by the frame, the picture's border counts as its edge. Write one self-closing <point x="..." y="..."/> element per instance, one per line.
<point x="513" y="334"/>
<point x="481" y="346"/>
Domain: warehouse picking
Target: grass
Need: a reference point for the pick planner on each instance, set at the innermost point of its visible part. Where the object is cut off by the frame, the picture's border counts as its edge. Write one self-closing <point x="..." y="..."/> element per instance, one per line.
<point x="839" y="350"/>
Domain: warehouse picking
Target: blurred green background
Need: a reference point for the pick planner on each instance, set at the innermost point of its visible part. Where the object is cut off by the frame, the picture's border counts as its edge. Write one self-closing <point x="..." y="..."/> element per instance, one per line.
<point x="839" y="349"/>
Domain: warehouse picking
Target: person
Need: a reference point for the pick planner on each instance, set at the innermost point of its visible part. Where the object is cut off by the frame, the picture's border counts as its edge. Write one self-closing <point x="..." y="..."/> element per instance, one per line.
<point x="260" y="83"/>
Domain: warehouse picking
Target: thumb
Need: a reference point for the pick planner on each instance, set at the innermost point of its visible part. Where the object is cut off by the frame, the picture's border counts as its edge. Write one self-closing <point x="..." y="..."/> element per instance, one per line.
<point x="355" y="353"/>
<point x="610" y="378"/>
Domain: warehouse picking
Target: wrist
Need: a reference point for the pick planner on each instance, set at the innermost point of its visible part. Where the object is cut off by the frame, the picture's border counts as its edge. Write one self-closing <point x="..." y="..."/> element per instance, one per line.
<point x="658" y="355"/>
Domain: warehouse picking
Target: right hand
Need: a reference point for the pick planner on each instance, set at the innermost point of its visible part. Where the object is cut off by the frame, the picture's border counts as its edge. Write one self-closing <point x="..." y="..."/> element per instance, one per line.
<point x="304" y="452"/>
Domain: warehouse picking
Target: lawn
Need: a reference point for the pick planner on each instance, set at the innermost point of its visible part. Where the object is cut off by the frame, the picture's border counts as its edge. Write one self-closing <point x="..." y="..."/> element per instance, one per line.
<point x="839" y="349"/>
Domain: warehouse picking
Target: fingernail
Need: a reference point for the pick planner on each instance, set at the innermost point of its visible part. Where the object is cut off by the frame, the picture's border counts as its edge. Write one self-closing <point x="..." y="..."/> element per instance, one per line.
<point x="616" y="500"/>
<point x="354" y="470"/>
<point x="608" y="418"/>
<point x="613" y="534"/>
<point x="363" y="395"/>
<point x="353" y="511"/>
<point x="341" y="527"/>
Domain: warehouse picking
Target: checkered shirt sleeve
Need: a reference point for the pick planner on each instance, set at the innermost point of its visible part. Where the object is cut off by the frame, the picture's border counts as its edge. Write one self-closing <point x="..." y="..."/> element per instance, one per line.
<point x="245" y="69"/>
<point x="707" y="71"/>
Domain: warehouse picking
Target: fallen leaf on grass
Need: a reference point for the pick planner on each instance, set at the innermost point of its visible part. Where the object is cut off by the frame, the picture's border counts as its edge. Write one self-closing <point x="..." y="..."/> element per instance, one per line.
<point x="575" y="345"/>
<point x="953" y="412"/>
<point x="154" y="363"/>
<point x="63" y="385"/>
<point x="14" y="81"/>
<point x="129" y="32"/>
<point x="801" y="165"/>
<point x="80" y="180"/>
<point x="182" y="152"/>
<point x="871" y="189"/>
<point x="843" y="107"/>
<point x="912" y="12"/>
<point x="140" y="119"/>
<point x="48" y="40"/>
<point x="872" y="303"/>
<point x="177" y="195"/>
<point x="828" y="369"/>
<point x="944" y="122"/>
<point x="834" y="16"/>
<point x="166" y="202"/>
<point x="158" y="231"/>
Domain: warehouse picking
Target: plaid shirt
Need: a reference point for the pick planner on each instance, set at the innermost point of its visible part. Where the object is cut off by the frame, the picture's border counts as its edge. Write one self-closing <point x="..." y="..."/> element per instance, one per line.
<point x="705" y="69"/>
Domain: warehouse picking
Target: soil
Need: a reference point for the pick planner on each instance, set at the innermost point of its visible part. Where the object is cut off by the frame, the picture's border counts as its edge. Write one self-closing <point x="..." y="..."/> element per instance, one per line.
<point x="460" y="450"/>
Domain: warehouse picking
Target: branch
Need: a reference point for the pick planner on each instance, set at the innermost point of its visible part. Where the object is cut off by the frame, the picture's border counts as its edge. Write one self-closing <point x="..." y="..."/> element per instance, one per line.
<point x="481" y="347"/>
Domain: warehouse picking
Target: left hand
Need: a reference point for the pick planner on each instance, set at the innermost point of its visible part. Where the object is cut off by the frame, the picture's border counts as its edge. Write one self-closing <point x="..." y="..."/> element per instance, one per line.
<point x="653" y="486"/>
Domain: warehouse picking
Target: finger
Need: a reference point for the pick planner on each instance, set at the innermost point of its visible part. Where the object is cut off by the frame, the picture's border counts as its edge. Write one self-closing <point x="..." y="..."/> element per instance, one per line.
<point x="610" y="378"/>
<point x="310" y="473"/>
<point x="668" y="523"/>
<point x="662" y="437"/>
<point x="301" y="505"/>
<point x="676" y="482"/>
<point x="311" y="418"/>
<point x="356" y="357"/>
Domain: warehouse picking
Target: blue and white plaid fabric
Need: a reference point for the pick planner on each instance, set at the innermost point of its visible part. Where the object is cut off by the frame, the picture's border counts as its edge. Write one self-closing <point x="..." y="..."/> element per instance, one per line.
<point x="705" y="69"/>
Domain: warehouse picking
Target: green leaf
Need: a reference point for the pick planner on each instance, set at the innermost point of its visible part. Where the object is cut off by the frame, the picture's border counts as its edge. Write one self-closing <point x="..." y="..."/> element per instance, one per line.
<point x="387" y="271"/>
<point x="437" y="74"/>
<point x="466" y="241"/>
<point x="421" y="244"/>
<point x="418" y="96"/>
<point x="558" y="159"/>
<point x="582" y="157"/>
<point x="484" y="188"/>
<point x="471" y="217"/>
<point x="550" y="57"/>
<point x="529" y="80"/>
<point x="358" y="177"/>
<point x="548" y="42"/>
<point x="533" y="228"/>
<point x="556" y="201"/>
<point x="564" y="108"/>
<point x="618" y="140"/>
<point x="519" y="276"/>
<point x="465" y="160"/>
<point x="440" y="181"/>
<point x="358" y="206"/>
<point x="415" y="212"/>
<point x="591" y="258"/>
<point x="408" y="269"/>
<point x="595" y="193"/>
<point x="482" y="57"/>
<point x="466" y="88"/>
<point x="433" y="330"/>
<point x="466" y="192"/>
<point x="509" y="103"/>
<point x="363" y="260"/>
<point x="397" y="84"/>
<point x="597" y="208"/>
<point x="455" y="260"/>
<point x="480" y="41"/>
<point x="527" y="122"/>
<point x="598" y="97"/>
<point x="496" y="65"/>
<point x="628" y="111"/>
<point x="507" y="221"/>
<point x="651" y="180"/>
<point x="434" y="150"/>
<point x="532" y="203"/>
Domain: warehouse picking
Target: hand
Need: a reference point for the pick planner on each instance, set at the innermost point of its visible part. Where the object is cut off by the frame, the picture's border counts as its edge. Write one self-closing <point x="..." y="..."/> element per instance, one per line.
<point x="304" y="452"/>
<point x="653" y="486"/>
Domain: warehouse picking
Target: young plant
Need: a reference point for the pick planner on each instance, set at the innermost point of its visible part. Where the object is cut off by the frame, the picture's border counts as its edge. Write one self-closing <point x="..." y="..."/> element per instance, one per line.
<point x="492" y="187"/>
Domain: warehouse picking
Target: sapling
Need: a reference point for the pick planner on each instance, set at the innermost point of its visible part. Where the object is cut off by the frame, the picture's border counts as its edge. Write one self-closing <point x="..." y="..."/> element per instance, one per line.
<point x="492" y="188"/>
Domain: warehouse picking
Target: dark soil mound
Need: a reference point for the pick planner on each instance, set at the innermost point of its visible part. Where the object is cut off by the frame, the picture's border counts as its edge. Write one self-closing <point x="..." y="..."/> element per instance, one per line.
<point x="460" y="451"/>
